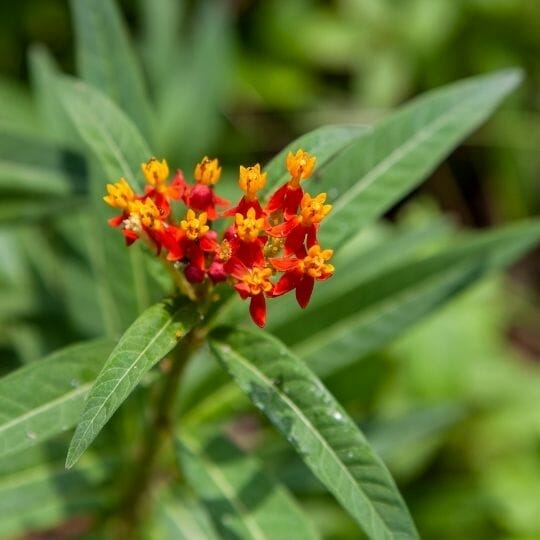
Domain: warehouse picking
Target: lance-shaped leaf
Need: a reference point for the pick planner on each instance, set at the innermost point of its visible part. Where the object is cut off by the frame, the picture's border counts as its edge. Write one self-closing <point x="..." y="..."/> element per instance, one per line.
<point x="329" y="442"/>
<point x="45" y="398"/>
<point x="37" y="492"/>
<point x="109" y="133"/>
<point x="383" y="165"/>
<point x="380" y="309"/>
<point x="106" y="59"/>
<point x="178" y="516"/>
<point x="153" y="335"/>
<point x="243" y="500"/>
<point x="324" y="143"/>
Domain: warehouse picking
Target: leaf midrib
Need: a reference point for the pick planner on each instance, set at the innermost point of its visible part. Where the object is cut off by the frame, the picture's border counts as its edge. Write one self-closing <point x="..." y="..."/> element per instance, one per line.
<point x="310" y="425"/>
<point x="44" y="407"/>
<point x="228" y="490"/>
<point x="127" y="371"/>
<point x="383" y="166"/>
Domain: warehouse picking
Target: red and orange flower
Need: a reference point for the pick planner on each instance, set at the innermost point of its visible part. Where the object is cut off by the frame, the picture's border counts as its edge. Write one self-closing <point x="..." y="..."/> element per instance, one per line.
<point x="248" y="255"/>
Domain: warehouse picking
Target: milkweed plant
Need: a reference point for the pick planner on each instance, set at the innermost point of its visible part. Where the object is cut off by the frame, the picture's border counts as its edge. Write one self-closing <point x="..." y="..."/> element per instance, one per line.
<point x="182" y="280"/>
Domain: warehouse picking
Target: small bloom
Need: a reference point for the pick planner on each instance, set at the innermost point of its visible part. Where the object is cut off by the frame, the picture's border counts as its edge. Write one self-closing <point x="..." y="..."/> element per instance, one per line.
<point x="156" y="172"/>
<point x="120" y="195"/>
<point x="195" y="226"/>
<point x="300" y="166"/>
<point x="301" y="273"/>
<point x="253" y="283"/>
<point x="304" y="226"/>
<point x="207" y="171"/>
<point x="287" y="198"/>
<point x="248" y="227"/>
<point x="251" y="181"/>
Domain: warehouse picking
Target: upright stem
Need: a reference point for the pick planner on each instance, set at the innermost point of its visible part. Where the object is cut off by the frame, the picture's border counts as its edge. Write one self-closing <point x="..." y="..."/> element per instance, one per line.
<point x="160" y="429"/>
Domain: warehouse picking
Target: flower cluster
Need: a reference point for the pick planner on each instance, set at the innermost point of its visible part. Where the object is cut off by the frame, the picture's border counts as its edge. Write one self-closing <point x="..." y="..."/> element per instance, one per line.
<point x="263" y="241"/>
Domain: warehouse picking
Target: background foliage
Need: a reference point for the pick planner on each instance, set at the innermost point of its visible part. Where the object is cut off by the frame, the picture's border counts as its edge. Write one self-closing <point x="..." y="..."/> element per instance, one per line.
<point x="451" y="406"/>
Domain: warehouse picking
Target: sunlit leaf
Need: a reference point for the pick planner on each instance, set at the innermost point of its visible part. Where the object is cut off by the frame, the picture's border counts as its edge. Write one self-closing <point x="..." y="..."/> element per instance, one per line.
<point x="329" y="442"/>
<point x="106" y="58"/>
<point x="383" y="165"/>
<point x="46" y="398"/>
<point x="153" y="335"/>
<point x="242" y="499"/>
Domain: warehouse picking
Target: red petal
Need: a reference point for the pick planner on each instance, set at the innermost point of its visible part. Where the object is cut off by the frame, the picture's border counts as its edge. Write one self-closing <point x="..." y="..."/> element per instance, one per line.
<point x="178" y="187"/>
<point x="243" y="289"/>
<point x="292" y="201"/>
<point x="286" y="283"/>
<point x="208" y="243"/>
<point x="257" y="310"/>
<point x="235" y="267"/>
<point x="304" y="290"/>
<point x="283" y="265"/>
<point x="311" y="236"/>
<point x="295" y="240"/>
<point x="277" y="200"/>
<point x="130" y="236"/>
<point x="116" y="221"/>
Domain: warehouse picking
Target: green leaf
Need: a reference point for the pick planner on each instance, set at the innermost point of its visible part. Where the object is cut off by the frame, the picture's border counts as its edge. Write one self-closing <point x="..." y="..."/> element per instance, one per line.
<point x="106" y="59"/>
<point x="160" y="40"/>
<point x="382" y="166"/>
<point x="45" y="398"/>
<point x="153" y="335"/>
<point x="43" y="74"/>
<point x="17" y="110"/>
<point x="318" y="428"/>
<point x="324" y="143"/>
<point x="37" y="492"/>
<point x="243" y="500"/>
<point x="119" y="148"/>
<point x="367" y="317"/>
<point x="178" y="516"/>
<point x="108" y="132"/>
<point x="30" y="167"/>
<point x="190" y="104"/>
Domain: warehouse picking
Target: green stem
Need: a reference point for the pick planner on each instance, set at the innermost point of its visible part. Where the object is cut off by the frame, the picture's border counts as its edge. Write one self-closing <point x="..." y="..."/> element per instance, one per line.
<point x="160" y="431"/>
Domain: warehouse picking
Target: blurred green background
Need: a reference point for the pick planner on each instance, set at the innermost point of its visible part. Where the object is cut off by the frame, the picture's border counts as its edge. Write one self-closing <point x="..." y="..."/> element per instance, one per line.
<point x="459" y="426"/>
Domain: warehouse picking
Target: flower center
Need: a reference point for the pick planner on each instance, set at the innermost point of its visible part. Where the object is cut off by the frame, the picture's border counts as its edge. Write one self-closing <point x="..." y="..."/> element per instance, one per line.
<point x="195" y="227"/>
<point x="248" y="227"/>
<point x="257" y="280"/>
<point x="314" y="263"/>
<point x="120" y="195"/>
<point x="313" y="210"/>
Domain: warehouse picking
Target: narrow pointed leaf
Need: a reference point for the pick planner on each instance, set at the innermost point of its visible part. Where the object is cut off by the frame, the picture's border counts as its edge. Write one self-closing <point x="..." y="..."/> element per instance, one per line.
<point x="328" y="441"/>
<point x="108" y="132"/>
<point x="324" y="143"/>
<point x="46" y="398"/>
<point x="106" y="58"/>
<point x="383" y="165"/>
<point x="37" y="492"/>
<point x="242" y="499"/>
<point x="382" y="308"/>
<point x="178" y="516"/>
<point x="153" y="335"/>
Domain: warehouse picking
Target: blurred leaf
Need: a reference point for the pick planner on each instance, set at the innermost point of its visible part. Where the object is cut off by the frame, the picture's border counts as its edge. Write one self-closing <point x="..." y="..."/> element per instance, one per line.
<point x="30" y="167"/>
<point x="380" y="309"/>
<point x="108" y="132"/>
<point x="387" y="162"/>
<point x="40" y="492"/>
<point x="177" y="516"/>
<point x="242" y="499"/>
<point x="160" y="45"/>
<point x="106" y="58"/>
<point x="189" y="108"/>
<point x="119" y="148"/>
<point x="329" y="442"/>
<point x="153" y="335"/>
<point x="17" y="111"/>
<point x="45" y="398"/>
<point x="324" y="143"/>
<point x="43" y="75"/>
